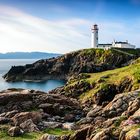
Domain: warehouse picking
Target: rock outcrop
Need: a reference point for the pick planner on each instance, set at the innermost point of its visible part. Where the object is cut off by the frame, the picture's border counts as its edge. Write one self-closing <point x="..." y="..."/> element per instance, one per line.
<point x="83" y="61"/>
<point x="119" y="119"/>
<point x="33" y="111"/>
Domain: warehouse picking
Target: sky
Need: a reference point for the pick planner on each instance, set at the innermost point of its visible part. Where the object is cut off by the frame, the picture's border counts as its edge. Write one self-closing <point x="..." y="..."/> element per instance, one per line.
<point x="62" y="26"/>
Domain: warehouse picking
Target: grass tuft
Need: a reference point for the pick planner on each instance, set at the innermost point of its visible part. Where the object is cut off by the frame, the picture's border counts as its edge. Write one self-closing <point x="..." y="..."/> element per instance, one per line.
<point x="35" y="135"/>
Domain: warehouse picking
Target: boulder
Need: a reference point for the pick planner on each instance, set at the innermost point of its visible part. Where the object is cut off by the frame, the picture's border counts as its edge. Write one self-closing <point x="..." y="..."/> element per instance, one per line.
<point x="58" y="118"/>
<point x="106" y="94"/>
<point x="65" y="137"/>
<point x="119" y="105"/>
<point x="87" y="120"/>
<point x="9" y="114"/>
<point x="80" y="134"/>
<point x="99" y="120"/>
<point x="29" y="126"/>
<point x="4" y="120"/>
<point x="27" y="105"/>
<point x="24" y="116"/>
<point x="15" y="131"/>
<point x="47" y="108"/>
<point x="103" y="135"/>
<point x="133" y="107"/>
<point x="69" y="126"/>
<point x="131" y="121"/>
<point x="137" y="113"/>
<point x="69" y="117"/>
<point x="50" y="137"/>
<point x="110" y="122"/>
<point x="94" y="112"/>
<point x="52" y="124"/>
<point x="133" y="134"/>
<point x="130" y="132"/>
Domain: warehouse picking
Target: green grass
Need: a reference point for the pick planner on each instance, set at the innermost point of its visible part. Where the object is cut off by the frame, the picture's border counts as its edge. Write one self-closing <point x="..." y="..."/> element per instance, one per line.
<point x="132" y="130"/>
<point x="101" y="80"/>
<point x="118" y="122"/>
<point x="98" y="55"/>
<point x="131" y="51"/>
<point x="34" y="135"/>
<point x="27" y="136"/>
<point x="58" y="131"/>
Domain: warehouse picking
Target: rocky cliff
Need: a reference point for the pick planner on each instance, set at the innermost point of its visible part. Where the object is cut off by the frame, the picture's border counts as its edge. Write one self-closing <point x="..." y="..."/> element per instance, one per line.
<point x="100" y="88"/>
<point x="83" y="61"/>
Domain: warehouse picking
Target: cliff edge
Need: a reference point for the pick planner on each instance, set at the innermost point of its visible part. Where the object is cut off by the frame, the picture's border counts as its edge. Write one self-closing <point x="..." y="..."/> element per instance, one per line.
<point x="65" y="66"/>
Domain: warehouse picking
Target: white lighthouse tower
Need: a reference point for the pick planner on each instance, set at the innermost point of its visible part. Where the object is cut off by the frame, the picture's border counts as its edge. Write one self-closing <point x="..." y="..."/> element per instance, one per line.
<point x="94" y="36"/>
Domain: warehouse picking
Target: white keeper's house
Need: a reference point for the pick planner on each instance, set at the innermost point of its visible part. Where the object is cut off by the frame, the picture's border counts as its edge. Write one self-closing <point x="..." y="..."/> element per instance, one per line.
<point x="115" y="44"/>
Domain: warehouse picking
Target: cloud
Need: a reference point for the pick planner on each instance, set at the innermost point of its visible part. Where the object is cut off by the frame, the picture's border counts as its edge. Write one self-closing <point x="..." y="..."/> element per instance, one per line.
<point x="20" y="31"/>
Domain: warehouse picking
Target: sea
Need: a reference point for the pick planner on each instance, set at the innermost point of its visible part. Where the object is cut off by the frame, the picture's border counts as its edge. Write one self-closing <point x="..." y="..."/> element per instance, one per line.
<point x="5" y="65"/>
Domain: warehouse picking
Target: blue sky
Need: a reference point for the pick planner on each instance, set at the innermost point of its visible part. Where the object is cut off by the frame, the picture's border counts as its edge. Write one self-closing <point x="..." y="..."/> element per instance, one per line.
<point x="64" y="25"/>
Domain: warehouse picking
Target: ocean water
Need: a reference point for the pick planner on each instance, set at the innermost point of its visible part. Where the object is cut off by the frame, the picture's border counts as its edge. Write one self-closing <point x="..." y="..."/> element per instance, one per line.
<point x="5" y="65"/>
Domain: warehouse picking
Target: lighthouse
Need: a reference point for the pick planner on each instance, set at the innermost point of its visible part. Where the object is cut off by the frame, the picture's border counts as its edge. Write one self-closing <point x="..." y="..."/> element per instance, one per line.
<point x="94" y="36"/>
<point x="115" y="44"/>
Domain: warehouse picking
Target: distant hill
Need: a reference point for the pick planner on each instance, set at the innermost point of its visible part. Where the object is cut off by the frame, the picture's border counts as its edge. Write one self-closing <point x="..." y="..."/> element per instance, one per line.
<point x="27" y="55"/>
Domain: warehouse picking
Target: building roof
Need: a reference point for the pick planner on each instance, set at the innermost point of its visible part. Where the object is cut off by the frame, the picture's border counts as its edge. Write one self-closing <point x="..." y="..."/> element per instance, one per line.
<point x="120" y="42"/>
<point x="105" y="44"/>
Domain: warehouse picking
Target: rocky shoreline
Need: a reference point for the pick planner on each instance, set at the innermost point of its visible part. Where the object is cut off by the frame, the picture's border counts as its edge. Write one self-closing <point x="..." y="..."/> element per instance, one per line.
<point x="26" y="111"/>
<point x="91" y="106"/>
<point x="30" y="111"/>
